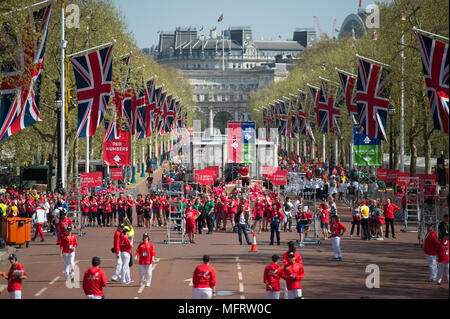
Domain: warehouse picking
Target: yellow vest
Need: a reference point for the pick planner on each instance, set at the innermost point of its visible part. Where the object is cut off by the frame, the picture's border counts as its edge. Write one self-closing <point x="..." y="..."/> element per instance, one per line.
<point x="365" y="211"/>
<point x="130" y="233"/>
<point x="3" y="208"/>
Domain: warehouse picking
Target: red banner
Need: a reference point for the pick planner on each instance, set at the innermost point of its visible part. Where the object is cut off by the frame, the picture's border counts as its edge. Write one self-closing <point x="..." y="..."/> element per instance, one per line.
<point x="234" y="142"/>
<point x="118" y="152"/>
<point x="426" y="178"/>
<point x="402" y="178"/>
<point x="279" y="177"/>
<point x="117" y="174"/>
<point x="382" y="174"/>
<point x="267" y="171"/>
<point x="91" y="179"/>
<point x="391" y="176"/>
<point x="214" y="169"/>
<point x="204" y="177"/>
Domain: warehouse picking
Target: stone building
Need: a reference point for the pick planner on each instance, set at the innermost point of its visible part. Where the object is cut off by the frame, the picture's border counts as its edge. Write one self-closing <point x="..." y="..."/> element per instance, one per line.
<point x="223" y="70"/>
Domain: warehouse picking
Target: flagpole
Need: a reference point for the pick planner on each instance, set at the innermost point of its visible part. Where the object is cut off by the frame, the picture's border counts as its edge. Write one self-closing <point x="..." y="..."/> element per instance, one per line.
<point x="92" y="49"/>
<point x="133" y="167"/>
<point x="402" y="106"/>
<point x="323" y="149"/>
<point x="373" y="61"/>
<point x="143" y="161"/>
<point x="62" y="45"/>
<point x="27" y="7"/>
<point x="223" y="48"/>
<point x="87" y="153"/>
<point x="429" y="33"/>
<point x="336" y="151"/>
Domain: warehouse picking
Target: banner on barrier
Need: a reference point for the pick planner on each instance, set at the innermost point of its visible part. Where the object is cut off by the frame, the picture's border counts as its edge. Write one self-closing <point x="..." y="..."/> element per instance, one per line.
<point x="91" y="179"/>
<point x="117" y="174"/>
<point x="279" y="177"/>
<point x="204" y="177"/>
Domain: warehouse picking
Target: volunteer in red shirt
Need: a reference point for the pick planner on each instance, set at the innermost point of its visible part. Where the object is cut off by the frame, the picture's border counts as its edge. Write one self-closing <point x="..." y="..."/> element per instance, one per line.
<point x="275" y="218"/>
<point x="129" y="208"/>
<point x="293" y="273"/>
<point x="15" y="276"/>
<point x="267" y="213"/>
<point x="146" y="253"/>
<point x="125" y="255"/>
<point x="64" y="222"/>
<point x="107" y="204"/>
<point x="121" y="207"/>
<point x="298" y="259"/>
<point x="204" y="280"/>
<point x="431" y="249"/>
<point x="337" y="229"/>
<point x="67" y="251"/>
<point x="224" y="211"/>
<point x="232" y="211"/>
<point x="259" y="212"/>
<point x="323" y="210"/>
<point x="94" y="280"/>
<point x="442" y="258"/>
<point x="272" y="275"/>
<point x="244" y="174"/>
<point x="84" y="211"/>
<point x="116" y="251"/>
<point x="140" y="210"/>
<point x="189" y="215"/>
<point x="389" y="209"/>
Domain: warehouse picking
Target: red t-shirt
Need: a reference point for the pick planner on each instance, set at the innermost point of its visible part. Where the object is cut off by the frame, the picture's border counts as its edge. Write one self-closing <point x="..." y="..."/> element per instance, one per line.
<point x="324" y="215"/>
<point x="293" y="269"/>
<point x="93" y="281"/>
<point x="431" y="244"/>
<point x="15" y="283"/>
<point x="244" y="171"/>
<point x="125" y="244"/>
<point x="116" y="242"/>
<point x="259" y="208"/>
<point x="272" y="274"/>
<point x="145" y="251"/>
<point x="336" y="229"/>
<point x="204" y="276"/>
<point x="389" y="210"/>
<point x="443" y="252"/>
<point x="298" y="258"/>
<point x="68" y="243"/>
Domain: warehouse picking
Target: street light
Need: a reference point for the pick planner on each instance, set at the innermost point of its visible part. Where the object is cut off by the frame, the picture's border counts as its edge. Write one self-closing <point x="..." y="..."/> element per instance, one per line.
<point x="391" y="113"/>
<point x="59" y="110"/>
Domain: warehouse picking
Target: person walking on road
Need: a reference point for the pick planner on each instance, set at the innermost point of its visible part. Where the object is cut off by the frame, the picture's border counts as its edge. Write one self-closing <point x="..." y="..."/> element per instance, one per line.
<point x="272" y="275"/>
<point x="337" y="231"/>
<point x="298" y="259"/>
<point x="443" y="258"/>
<point x="209" y="213"/>
<point x="15" y="276"/>
<point x="431" y="250"/>
<point x="39" y="219"/>
<point x="146" y="253"/>
<point x="275" y="219"/>
<point x="116" y="251"/>
<point x="204" y="281"/>
<point x="125" y="255"/>
<point x="293" y="273"/>
<point x="243" y="217"/>
<point x="68" y="246"/>
<point x="94" y="280"/>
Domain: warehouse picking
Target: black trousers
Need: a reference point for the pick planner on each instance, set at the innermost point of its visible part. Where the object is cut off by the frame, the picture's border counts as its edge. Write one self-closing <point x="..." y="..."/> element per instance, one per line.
<point x="357" y="224"/>
<point x="210" y="222"/>
<point x="365" y="228"/>
<point x="200" y="223"/>
<point x="130" y="214"/>
<point x="121" y="213"/>
<point x="100" y="217"/>
<point x="391" y="222"/>
<point x="274" y="229"/>
<point x="242" y="228"/>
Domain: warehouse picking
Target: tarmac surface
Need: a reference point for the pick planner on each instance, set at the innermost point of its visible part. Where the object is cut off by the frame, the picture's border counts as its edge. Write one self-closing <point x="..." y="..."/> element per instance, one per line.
<point x="402" y="266"/>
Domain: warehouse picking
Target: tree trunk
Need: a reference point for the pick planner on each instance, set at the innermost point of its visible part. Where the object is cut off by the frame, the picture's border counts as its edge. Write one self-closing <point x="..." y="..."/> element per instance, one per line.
<point x="413" y="156"/>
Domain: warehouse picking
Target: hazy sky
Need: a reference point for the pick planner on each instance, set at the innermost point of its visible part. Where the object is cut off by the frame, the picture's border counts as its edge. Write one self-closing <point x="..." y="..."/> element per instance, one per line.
<point x="267" y="18"/>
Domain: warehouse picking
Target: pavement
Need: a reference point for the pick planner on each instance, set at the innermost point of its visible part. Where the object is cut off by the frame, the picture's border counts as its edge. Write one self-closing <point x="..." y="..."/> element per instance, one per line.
<point x="402" y="266"/>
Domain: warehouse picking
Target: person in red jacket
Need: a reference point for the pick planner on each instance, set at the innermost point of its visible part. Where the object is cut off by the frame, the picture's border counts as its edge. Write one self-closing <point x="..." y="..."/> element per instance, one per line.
<point x="189" y="215"/>
<point x="64" y="223"/>
<point x="442" y="259"/>
<point x="116" y="251"/>
<point x="272" y="275"/>
<point x="389" y="210"/>
<point x="204" y="280"/>
<point x="337" y="229"/>
<point x="275" y="218"/>
<point x="94" y="280"/>
<point x="125" y="255"/>
<point x="293" y="273"/>
<point x="146" y="253"/>
<point x="298" y="259"/>
<point x="430" y="248"/>
<point x="15" y="276"/>
<point x="67" y="251"/>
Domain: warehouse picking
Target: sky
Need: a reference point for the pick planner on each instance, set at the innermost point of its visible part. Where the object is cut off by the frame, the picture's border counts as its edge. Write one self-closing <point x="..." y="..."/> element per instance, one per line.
<point x="268" y="19"/>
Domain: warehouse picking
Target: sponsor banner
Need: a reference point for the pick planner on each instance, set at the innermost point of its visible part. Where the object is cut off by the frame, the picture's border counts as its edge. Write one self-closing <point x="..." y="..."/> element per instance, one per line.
<point x="391" y="175"/>
<point x="402" y="178"/>
<point x="279" y="177"/>
<point x="117" y="174"/>
<point x="268" y="170"/>
<point x="382" y="174"/>
<point x="426" y="178"/>
<point x="234" y="142"/>
<point x="214" y="169"/>
<point x="204" y="177"/>
<point x="248" y="142"/>
<point x="366" y="149"/>
<point x="91" y="179"/>
<point x="117" y="152"/>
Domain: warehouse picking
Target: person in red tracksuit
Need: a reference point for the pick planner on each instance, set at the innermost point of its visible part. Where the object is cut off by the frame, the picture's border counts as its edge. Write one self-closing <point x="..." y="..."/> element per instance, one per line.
<point x="431" y="250"/>
<point x="204" y="280"/>
<point x="125" y="255"/>
<point x="337" y="230"/>
<point x="389" y="209"/>
<point x="298" y="259"/>
<point x="293" y="273"/>
<point x="272" y="275"/>
<point x="68" y="246"/>
<point x="116" y="250"/>
<point x="64" y="222"/>
<point x="443" y="258"/>
<point x="94" y="280"/>
<point x="146" y="253"/>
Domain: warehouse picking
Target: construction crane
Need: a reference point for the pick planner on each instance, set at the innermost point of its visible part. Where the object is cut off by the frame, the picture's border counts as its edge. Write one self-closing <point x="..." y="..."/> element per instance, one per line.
<point x="334" y="30"/>
<point x="322" y="34"/>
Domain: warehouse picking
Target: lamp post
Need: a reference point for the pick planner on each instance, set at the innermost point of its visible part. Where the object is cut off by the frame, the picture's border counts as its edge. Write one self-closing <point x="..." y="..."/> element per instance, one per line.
<point x="60" y="111"/>
<point x="402" y="92"/>
<point x="391" y="113"/>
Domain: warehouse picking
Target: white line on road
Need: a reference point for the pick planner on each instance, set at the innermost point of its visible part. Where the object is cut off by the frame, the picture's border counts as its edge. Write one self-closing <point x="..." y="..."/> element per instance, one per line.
<point x="240" y="276"/>
<point x="54" y="280"/>
<point x="242" y="297"/>
<point x="2" y="287"/>
<point x="141" y="289"/>
<point x="238" y="266"/>
<point x="241" y="287"/>
<point x="40" y="292"/>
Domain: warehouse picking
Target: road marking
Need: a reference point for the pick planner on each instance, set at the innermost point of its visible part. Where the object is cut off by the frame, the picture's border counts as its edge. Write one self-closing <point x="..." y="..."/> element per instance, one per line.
<point x="136" y="298"/>
<point x="2" y="287"/>
<point x="241" y="287"/>
<point x="238" y="266"/>
<point x="54" y="280"/>
<point x="141" y="289"/>
<point x="190" y="281"/>
<point x="242" y="297"/>
<point x="240" y="276"/>
<point x="40" y="292"/>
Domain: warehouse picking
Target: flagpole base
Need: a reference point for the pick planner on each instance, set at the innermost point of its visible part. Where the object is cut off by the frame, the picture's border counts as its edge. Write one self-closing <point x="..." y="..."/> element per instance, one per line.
<point x="143" y="170"/>
<point x="133" y="174"/>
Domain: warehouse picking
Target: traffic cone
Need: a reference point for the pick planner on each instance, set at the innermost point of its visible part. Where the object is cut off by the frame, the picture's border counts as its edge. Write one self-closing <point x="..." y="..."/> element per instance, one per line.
<point x="254" y="247"/>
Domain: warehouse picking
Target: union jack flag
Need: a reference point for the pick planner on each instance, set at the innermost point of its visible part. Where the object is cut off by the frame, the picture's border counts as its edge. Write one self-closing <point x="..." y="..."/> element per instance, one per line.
<point x="326" y="104"/>
<point x="301" y="113"/>
<point x="312" y="99"/>
<point x="21" y="82"/>
<point x="372" y="90"/>
<point x="168" y="114"/>
<point x="93" y="74"/>
<point x="272" y="115"/>
<point x="154" y="115"/>
<point x="435" y="69"/>
<point x="266" y="118"/>
<point x="284" y="119"/>
<point x="139" y="123"/>
<point x="111" y="131"/>
<point x="128" y="108"/>
<point x="348" y="84"/>
<point x="159" y="122"/>
<point x="148" y="91"/>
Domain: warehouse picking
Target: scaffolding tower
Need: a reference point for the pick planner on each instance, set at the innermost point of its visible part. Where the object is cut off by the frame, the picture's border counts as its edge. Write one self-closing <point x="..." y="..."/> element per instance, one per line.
<point x="74" y="204"/>
<point x="430" y="213"/>
<point x="412" y="208"/>
<point x="176" y="223"/>
<point x="309" y="196"/>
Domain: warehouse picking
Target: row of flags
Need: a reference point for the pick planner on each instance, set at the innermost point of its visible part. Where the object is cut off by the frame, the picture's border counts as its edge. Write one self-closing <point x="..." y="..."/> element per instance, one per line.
<point x="146" y="107"/>
<point x="367" y="102"/>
